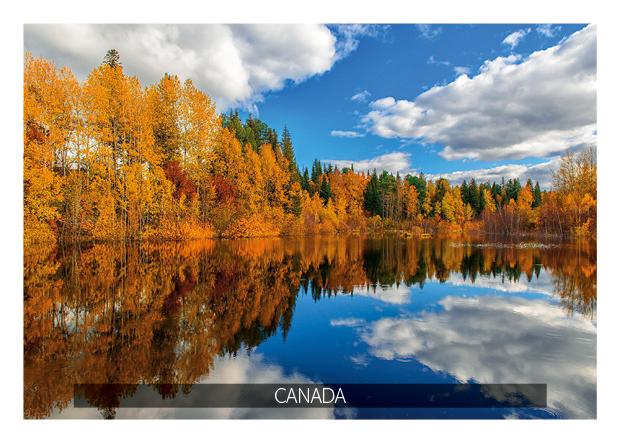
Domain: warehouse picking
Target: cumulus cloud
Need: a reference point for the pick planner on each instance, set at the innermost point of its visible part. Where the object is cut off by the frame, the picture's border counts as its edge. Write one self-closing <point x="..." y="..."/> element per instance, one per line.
<point x="346" y="134"/>
<point x="393" y="162"/>
<point x="513" y="109"/>
<point x="235" y="64"/>
<point x="492" y="339"/>
<point x="515" y="38"/>
<point x="461" y="70"/>
<point x="540" y="173"/>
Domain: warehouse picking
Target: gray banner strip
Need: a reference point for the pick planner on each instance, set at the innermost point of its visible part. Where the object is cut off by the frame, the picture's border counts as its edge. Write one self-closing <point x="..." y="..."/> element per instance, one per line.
<point x="311" y="396"/>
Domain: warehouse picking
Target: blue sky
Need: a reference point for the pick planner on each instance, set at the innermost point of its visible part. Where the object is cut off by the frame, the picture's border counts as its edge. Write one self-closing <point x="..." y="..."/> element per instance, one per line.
<point x="453" y="100"/>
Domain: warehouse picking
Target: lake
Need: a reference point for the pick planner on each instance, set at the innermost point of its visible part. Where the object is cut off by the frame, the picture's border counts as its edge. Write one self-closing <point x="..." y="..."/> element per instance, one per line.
<point x="117" y="322"/>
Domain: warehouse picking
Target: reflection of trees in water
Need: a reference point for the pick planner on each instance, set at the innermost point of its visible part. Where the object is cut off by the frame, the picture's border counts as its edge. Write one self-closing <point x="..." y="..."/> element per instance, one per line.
<point x="119" y="314"/>
<point x="575" y="281"/>
<point x="160" y="314"/>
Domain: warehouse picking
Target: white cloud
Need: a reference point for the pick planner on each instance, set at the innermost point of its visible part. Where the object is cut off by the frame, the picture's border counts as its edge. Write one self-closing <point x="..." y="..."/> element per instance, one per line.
<point x="515" y="38"/>
<point x="393" y="162"/>
<point x="235" y="64"/>
<point x="350" y="35"/>
<point x="396" y="295"/>
<point x="510" y="110"/>
<point x="241" y="369"/>
<point x="493" y="339"/>
<point x="540" y="173"/>
<point x="350" y="322"/>
<point x="361" y="96"/>
<point x="539" y="285"/>
<point x="346" y="134"/>
<point x="459" y="70"/>
<point x="547" y="31"/>
<point x="427" y="32"/>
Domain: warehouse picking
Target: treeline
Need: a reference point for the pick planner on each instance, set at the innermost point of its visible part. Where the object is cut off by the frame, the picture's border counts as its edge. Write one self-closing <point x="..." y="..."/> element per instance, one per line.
<point x="417" y="204"/>
<point x="109" y="159"/>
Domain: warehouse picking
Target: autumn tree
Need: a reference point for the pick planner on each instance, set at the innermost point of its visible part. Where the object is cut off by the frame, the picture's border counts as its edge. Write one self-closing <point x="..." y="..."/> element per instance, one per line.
<point x="410" y="198"/>
<point x="576" y="182"/>
<point x="49" y="100"/>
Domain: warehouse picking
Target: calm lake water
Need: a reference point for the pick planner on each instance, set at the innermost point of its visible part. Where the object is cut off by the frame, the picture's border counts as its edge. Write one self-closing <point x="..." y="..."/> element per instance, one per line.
<point x="331" y="309"/>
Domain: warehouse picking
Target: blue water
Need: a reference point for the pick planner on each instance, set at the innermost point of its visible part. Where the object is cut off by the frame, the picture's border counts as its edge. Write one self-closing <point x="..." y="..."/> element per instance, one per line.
<point x="491" y="330"/>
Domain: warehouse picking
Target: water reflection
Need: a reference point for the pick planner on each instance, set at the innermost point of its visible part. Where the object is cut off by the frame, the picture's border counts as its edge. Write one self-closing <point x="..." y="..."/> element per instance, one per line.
<point x="496" y="340"/>
<point x="166" y="313"/>
<point x="243" y="368"/>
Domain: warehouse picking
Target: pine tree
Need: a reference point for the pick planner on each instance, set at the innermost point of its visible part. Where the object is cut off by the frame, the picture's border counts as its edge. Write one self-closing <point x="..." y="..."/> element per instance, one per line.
<point x="112" y="59"/>
<point x="317" y="171"/>
<point x="372" y="199"/>
<point x="305" y="181"/>
<point x="465" y="192"/>
<point x="289" y="154"/>
<point x="537" y="196"/>
<point x="326" y="192"/>
<point x="474" y="196"/>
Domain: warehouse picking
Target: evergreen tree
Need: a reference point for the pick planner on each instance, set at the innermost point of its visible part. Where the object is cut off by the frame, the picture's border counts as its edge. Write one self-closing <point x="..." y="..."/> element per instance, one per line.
<point x="289" y="154"/>
<point x="465" y="193"/>
<point x="513" y="187"/>
<point x="537" y="196"/>
<point x="326" y="191"/>
<point x="317" y="171"/>
<point x="474" y="196"/>
<point x="420" y="185"/>
<point x="234" y="124"/>
<point x="496" y="192"/>
<point x="372" y="200"/>
<point x="112" y="59"/>
<point x="305" y="181"/>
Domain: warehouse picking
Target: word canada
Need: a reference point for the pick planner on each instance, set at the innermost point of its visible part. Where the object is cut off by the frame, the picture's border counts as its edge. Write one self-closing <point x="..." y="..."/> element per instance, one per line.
<point x="304" y="395"/>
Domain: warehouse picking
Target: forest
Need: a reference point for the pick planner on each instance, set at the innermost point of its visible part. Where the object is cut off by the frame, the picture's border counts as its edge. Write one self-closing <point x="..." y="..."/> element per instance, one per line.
<point x="109" y="159"/>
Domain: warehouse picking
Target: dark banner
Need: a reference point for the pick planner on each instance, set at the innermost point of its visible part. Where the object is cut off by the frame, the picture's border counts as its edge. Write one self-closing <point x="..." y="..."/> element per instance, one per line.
<point x="312" y="396"/>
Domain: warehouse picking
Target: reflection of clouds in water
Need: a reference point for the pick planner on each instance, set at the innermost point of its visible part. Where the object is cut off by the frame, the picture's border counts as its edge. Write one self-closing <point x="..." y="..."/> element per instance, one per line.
<point x="242" y="369"/>
<point x="352" y="322"/>
<point x="389" y="294"/>
<point x="499" y="340"/>
<point x="401" y="295"/>
<point x="359" y="359"/>
<point x="540" y="285"/>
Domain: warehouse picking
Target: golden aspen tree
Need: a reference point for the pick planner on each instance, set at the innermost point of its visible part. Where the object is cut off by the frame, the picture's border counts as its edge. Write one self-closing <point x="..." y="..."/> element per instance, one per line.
<point x="199" y="126"/>
<point x="459" y="208"/>
<point x="355" y="184"/>
<point x="447" y="207"/>
<point x="411" y="200"/>
<point x="164" y="100"/>
<point x="49" y="123"/>
<point x="341" y="213"/>
<point x="256" y="198"/>
<point x="527" y="215"/>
